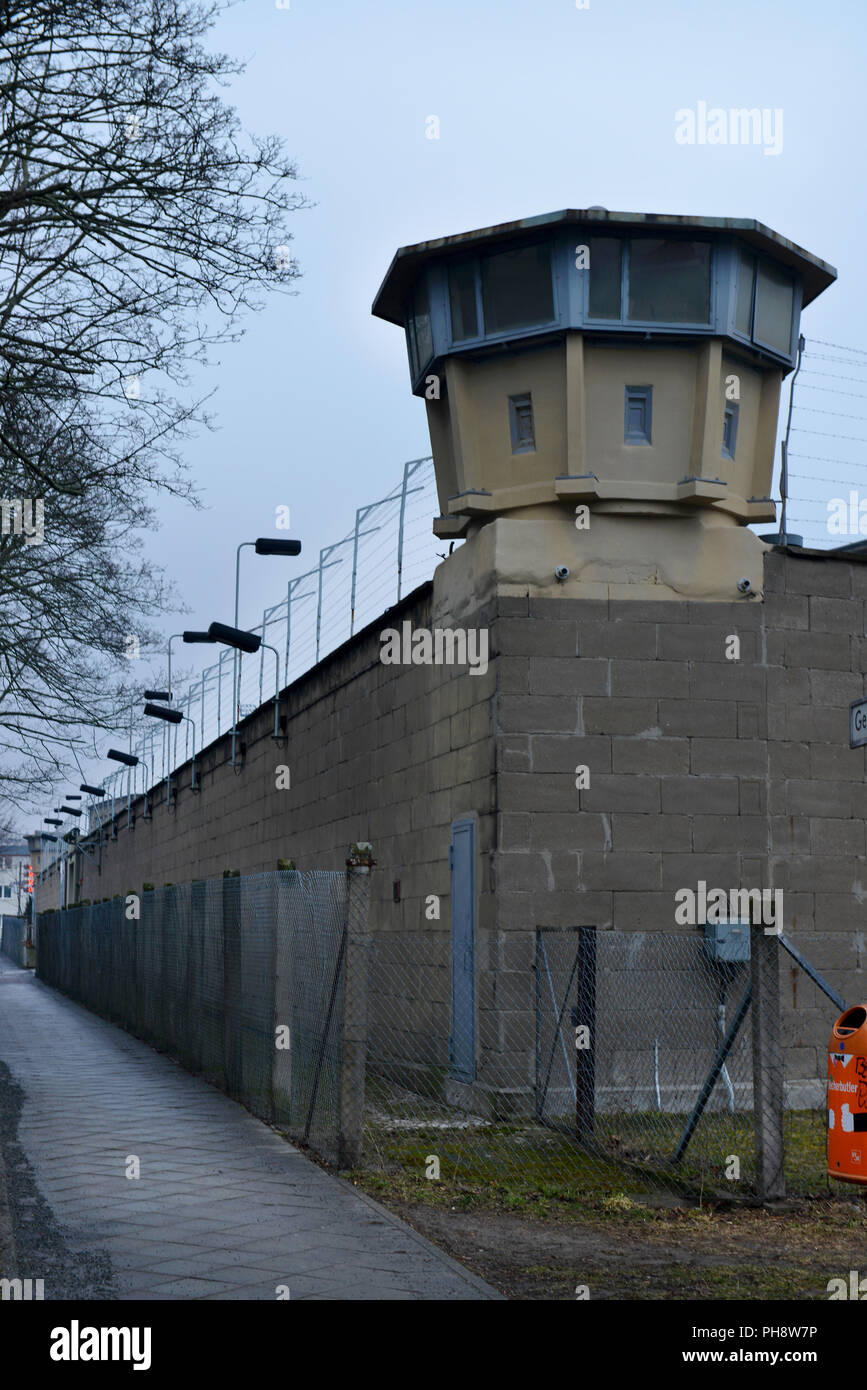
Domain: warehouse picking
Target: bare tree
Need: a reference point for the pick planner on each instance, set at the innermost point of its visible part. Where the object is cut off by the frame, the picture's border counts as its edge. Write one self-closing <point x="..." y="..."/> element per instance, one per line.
<point x="137" y="224"/>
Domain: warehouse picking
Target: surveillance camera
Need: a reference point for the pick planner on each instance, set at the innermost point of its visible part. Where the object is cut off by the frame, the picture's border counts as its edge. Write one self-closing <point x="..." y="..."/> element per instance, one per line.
<point x="561" y="573"/>
<point x="744" y="586"/>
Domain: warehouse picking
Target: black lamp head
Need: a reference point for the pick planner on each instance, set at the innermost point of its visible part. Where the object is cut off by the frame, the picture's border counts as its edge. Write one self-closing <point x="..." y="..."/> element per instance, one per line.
<point x="235" y="637"/>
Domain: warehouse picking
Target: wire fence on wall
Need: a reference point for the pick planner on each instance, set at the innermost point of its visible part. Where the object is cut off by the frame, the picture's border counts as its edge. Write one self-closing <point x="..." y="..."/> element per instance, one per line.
<point x="390" y="550"/>
<point x="827" y="445"/>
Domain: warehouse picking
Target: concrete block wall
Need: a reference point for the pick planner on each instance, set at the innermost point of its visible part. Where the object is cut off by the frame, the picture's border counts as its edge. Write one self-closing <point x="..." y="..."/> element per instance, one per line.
<point x="735" y="772"/>
<point x="390" y="754"/>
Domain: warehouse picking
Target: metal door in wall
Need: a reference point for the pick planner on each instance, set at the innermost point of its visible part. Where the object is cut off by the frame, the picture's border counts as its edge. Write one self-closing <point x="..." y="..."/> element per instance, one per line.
<point x="462" y="861"/>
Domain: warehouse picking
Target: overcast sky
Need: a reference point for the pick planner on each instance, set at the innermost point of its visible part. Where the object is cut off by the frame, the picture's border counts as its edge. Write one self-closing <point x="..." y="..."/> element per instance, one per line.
<point x="541" y="106"/>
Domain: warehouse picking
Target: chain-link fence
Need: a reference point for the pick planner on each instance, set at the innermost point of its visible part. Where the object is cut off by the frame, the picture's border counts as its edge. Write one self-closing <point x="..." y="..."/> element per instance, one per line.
<point x="241" y="979"/>
<point x="582" y="1062"/>
<point x="593" y="1063"/>
<point x="14" y="938"/>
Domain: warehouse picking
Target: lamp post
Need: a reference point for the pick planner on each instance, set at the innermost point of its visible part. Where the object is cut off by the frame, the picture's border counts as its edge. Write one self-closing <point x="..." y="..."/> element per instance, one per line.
<point x="265" y="545"/>
<point x="175" y="716"/>
<point x="128" y="760"/>
<point x="243" y="641"/>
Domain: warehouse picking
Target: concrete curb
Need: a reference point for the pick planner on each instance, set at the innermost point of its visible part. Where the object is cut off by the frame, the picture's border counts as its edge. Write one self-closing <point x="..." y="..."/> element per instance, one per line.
<point x="8" y="1249"/>
<point x="485" y="1290"/>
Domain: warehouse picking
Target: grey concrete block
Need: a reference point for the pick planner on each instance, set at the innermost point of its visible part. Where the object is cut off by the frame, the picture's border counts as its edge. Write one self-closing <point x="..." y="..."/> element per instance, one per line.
<point x="619" y="715"/>
<point x="643" y="678"/>
<point x="632" y="833"/>
<point x="826" y="650"/>
<point x="537" y="792"/>
<point x="712" y="833"/>
<point x="837" y="838"/>
<point x="521" y="872"/>
<point x="514" y="752"/>
<point x="704" y="642"/>
<point x="631" y="640"/>
<point x="787" y="611"/>
<point x="565" y="752"/>
<point x="537" y="636"/>
<point x="727" y="680"/>
<point x="566" y="830"/>
<point x="568" y="676"/>
<point x="698" y="718"/>
<point x="827" y="577"/>
<point x="653" y="755"/>
<point x="818" y="798"/>
<point x="634" y="872"/>
<point x="732" y="756"/>
<point x="836" y="688"/>
<point x="623" y="793"/>
<point x="699" y="795"/>
<point x="648" y="610"/>
<point x="521" y="714"/>
<point x="836" y="615"/>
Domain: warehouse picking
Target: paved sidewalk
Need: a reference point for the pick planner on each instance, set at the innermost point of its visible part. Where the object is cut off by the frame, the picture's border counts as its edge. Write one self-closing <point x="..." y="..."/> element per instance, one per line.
<point x="224" y="1208"/>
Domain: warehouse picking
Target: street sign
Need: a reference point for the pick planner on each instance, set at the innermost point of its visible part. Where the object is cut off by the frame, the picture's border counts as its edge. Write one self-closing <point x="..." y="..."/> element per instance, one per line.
<point x="858" y="723"/>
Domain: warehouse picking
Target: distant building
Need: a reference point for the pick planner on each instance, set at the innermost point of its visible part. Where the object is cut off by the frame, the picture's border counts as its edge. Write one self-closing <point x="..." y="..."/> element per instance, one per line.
<point x="14" y="863"/>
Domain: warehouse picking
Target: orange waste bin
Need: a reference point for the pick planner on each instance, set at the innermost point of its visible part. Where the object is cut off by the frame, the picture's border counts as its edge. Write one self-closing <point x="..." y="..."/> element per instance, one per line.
<point x="847" y="1096"/>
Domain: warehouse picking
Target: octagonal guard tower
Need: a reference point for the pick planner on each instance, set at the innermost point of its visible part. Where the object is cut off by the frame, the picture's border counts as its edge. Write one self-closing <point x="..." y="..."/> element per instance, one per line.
<point x="602" y="392"/>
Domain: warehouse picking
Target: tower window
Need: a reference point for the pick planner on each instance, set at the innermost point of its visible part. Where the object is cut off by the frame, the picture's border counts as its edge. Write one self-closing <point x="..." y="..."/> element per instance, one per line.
<point x="462" y="301"/>
<point x="669" y="281"/>
<point x="637" y="414"/>
<point x="516" y="288"/>
<point x="521" y="424"/>
<point x="605" y="277"/>
<point x="730" y="431"/>
<point x="418" y="329"/>
<point x="774" y="303"/>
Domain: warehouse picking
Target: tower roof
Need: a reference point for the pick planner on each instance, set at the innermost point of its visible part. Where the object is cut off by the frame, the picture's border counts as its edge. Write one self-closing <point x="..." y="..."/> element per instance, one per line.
<point x="408" y="260"/>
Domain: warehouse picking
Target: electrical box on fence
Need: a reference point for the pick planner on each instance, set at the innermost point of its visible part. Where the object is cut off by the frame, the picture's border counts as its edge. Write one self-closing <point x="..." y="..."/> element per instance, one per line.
<point x="728" y="941"/>
<point x="847" y="1097"/>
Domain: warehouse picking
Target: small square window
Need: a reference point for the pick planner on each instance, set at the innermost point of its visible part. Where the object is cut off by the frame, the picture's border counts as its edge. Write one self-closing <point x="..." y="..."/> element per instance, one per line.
<point x="637" y="414"/>
<point x="521" y="424"/>
<point x="730" y="431"/>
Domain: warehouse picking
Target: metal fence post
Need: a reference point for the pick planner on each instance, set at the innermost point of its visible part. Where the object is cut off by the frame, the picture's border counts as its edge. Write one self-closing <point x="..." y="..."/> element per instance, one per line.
<point x="767" y="1065"/>
<point x="585" y="1057"/>
<point x="353" y="1054"/>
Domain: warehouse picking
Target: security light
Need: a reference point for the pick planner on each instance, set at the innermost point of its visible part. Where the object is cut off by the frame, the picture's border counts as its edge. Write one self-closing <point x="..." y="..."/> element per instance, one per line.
<point x="235" y="637"/>
<point x="128" y="759"/>
<point x="171" y="716"/>
<point x="266" y="546"/>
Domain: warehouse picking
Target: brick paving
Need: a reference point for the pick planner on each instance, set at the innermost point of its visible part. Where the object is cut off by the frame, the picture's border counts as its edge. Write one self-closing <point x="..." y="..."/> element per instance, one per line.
<point x="224" y="1208"/>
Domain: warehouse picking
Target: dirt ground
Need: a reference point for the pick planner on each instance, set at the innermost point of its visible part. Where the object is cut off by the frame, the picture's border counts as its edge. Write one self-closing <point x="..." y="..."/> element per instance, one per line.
<point x="635" y="1252"/>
